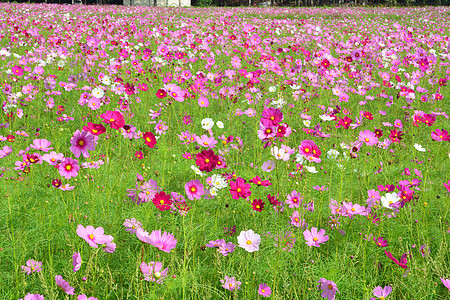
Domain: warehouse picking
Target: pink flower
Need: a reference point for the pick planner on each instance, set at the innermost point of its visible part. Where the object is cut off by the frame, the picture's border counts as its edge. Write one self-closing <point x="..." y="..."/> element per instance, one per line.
<point x="203" y="101"/>
<point x="314" y="238"/>
<point x="368" y="137"/>
<point x="205" y="141"/>
<point x="17" y="70"/>
<point x="114" y="118"/>
<point x="164" y="242"/>
<point x="69" y="168"/>
<point x="382" y="293"/>
<point x="41" y="144"/>
<point x="152" y="272"/>
<point x="5" y="151"/>
<point x="445" y="282"/>
<point x="329" y="288"/>
<point x="32" y="266"/>
<point x="294" y="199"/>
<point x="64" y="285"/>
<point x="264" y="290"/>
<point x="94" y="236"/>
<point x="33" y="297"/>
<point x="249" y="240"/>
<point x="84" y="297"/>
<point x="76" y="261"/>
<point x="132" y="225"/>
<point x="194" y="189"/>
<point x="81" y="143"/>
<point x="230" y="283"/>
<point x="271" y="117"/>
<point x="240" y="189"/>
<point x="296" y="221"/>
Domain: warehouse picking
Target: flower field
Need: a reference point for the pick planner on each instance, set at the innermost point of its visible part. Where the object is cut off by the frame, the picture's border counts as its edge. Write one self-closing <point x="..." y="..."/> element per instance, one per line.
<point x="224" y="153"/>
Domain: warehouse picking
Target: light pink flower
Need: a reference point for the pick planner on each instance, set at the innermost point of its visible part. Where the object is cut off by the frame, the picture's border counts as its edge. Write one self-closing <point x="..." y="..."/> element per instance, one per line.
<point x="249" y="240"/>
<point x="314" y="238"/>
<point x="76" y="261"/>
<point x="194" y="189"/>
<point x="94" y="236"/>
<point x="81" y="143"/>
<point x="41" y="144"/>
<point x="64" y="285"/>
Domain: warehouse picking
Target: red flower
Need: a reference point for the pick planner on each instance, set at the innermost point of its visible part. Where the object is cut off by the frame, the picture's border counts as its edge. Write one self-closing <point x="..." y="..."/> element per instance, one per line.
<point x="274" y="201"/>
<point x="395" y="136"/>
<point x="149" y="139"/>
<point x="258" y="205"/>
<point x="345" y="122"/>
<point x="95" y="129"/>
<point x="206" y="160"/>
<point x="162" y="201"/>
<point x="10" y="138"/>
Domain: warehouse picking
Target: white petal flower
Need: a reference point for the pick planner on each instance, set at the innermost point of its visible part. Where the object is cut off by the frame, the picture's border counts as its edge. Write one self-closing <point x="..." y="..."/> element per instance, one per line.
<point x="311" y="169"/>
<point x="207" y="123"/>
<point x="419" y="148"/>
<point x="389" y="199"/>
<point x="219" y="124"/>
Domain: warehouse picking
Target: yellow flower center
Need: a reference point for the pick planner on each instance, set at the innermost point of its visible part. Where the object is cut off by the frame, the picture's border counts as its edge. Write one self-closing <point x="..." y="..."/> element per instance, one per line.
<point x="91" y="236"/>
<point x="80" y="143"/>
<point x="238" y="190"/>
<point x="207" y="160"/>
<point x="315" y="239"/>
<point x="68" y="167"/>
<point x="249" y="242"/>
<point x="161" y="201"/>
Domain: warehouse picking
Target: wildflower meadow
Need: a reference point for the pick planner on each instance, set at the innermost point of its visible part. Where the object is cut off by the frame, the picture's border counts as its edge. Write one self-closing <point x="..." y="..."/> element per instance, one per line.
<point x="224" y="153"/>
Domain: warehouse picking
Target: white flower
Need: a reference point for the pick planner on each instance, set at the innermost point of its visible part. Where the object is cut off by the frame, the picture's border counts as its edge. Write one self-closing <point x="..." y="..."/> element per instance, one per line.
<point x="106" y="80"/>
<point x="98" y="93"/>
<point x="311" y="169"/>
<point x="219" y="124"/>
<point x="272" y="89"/>
<point x="207" y="123"/>
<point x="299" y="158"/>
<point x="213" y="192"/>
<point x="326" y="118"/>
<point x="307" y="123"/>
<point x="295" y="87"/>
<point x="197" y="171"/>
<point x="419" y="148"/>
<point x="279" y="153"/>
<point x="389" y="199"/>
<point x="332" y="154"/>
<point x="218" y="182"/>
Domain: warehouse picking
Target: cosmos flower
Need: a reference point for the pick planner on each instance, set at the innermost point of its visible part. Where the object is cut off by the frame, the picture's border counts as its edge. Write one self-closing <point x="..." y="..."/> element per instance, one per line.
<point x="32" y="266"/>
<point x="164" y="242"/>
<point x="328" y="288"/>
<point x="264" y="290"/>
<point x="230" y="283"/>
<point x="239" y="188"/>
<point x="314" y="238"/>
<point x="64" y="285"/>
<point x="114" y="118"/>
<point x="94" y="236"/>
<point x="382" y="293"/>
<point x="153" y="272"/>
<point x="194" y="189"/>
<point x="249" y="240"/>
<point x="82" y="142"/>
<point x="76" y="261"/>
<point x="41" y="144"/>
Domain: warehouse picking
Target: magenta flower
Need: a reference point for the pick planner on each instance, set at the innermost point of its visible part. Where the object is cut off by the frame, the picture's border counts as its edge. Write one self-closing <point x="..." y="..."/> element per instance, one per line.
<point x="32" y="266"/>
<point x="194" y="189"/>
<point x="69" y="168"/>
<point x="314" y="238"/>
<point x="294" y="199"/>
<point x="17" y="70"/>
<point x="225" y="248"/>
<point x="249" y="240"/>
<point x="64" y="285"/>
<point x="329" y="288"/>
<point x="440" y="135"/>
<point x="445" y="282"/>
<point x="230" y="283"/>
<point x="240" y="189"/>
<point x="76" y="261"/>
<point x="33" y="297"/>
<point x="264" y="290"/>
<point x="114" y="118"/>
<point x="152" y="272"/>
<point x="424" y="250"/>
<point x="41" y="144"/>
<point x="382" y="293"/>
<point x="271" y="117"/>
<point x="94" y="236"/>
<point x="381" y="242"/>
<point x="81" y="143"/>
